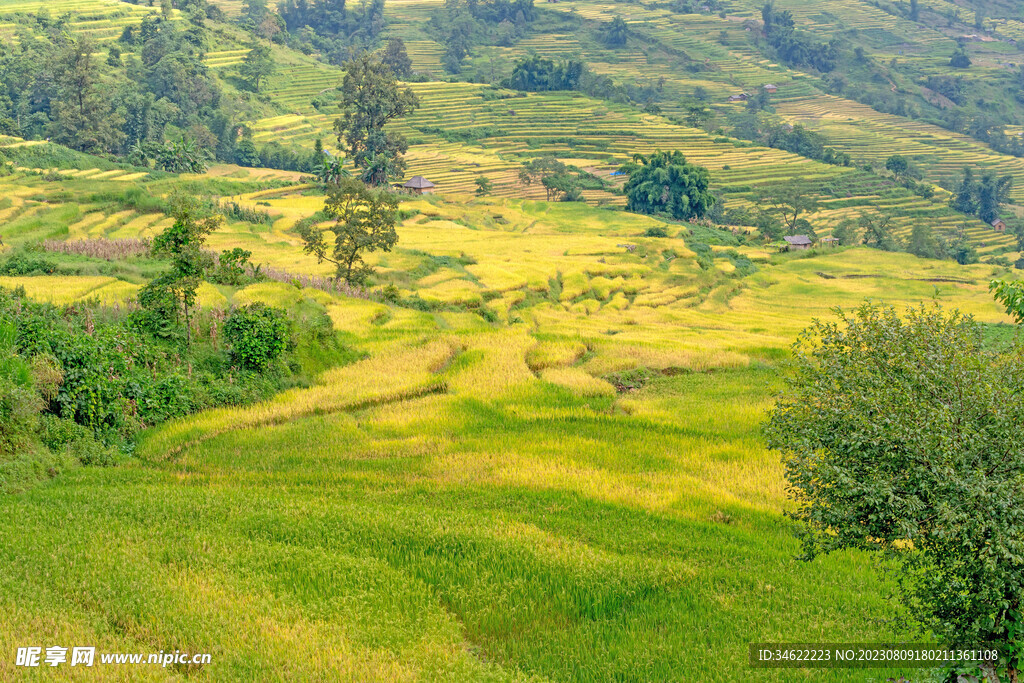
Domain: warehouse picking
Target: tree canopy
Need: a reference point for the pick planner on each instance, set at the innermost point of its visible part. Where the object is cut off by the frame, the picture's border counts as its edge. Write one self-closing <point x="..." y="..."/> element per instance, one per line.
<point x="396" y="57"/>
<point x="901" y="436"/>
<point x="554" y="176"/>
<point x="667" y="183"/>
<point x="257" y="65"/>
<point x="182" y="243"/>
<point x="615" y="33"/>
<point x="538" y="74"/>
<point x="790" y="204"/>
<point x="364" y="222"/>
<point x="370" y="99"/>
<point x="793" y="47"/>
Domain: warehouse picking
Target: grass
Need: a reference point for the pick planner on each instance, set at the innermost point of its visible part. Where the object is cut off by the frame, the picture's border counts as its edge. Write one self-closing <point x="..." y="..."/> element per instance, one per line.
<point x="446" y="538"/>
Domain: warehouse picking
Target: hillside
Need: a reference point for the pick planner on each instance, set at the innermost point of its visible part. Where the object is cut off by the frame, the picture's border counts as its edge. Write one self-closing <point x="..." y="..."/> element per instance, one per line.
<point x="530" y="444"/>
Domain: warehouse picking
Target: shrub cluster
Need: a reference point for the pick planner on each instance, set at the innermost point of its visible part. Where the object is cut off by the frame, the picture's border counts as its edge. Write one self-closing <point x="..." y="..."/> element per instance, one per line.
<point x="83" y="371"/>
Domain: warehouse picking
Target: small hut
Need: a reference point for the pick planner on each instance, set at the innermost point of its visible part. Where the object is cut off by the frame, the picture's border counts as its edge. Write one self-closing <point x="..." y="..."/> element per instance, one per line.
<point x="797" y="242"/>
<point x="830" y="241"/>
<point x="771" y="88"/>
<point x="419" y="185"/>
<point x="999" y="225"/>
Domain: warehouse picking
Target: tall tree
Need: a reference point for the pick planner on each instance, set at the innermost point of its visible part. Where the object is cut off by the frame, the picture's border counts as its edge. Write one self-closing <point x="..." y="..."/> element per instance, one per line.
<point x="257" y="65"/>
<point x="791" y="204"/>
<point x="253" y="13"/>
<point x="698" y="115"/>
<point x="182" y="243"/>
<point x="898" y="165"/>
<point x="364" y="221"/>
<point x="370" y="99"/>
<point x="878" y="231"/>
<point x="991" y="193"/>
<point x="83" y="117"/>
<point x="396" y="58"/>
<point x="923" y="242"/>
<point x="551" y="174"/>
<point x="616" y="32"/>
<point x="963" y="199"/>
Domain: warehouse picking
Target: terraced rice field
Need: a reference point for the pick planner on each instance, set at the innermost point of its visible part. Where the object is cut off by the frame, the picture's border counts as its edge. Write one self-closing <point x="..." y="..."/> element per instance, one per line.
<point x="494" y="137"/>
<point x="101" y="20"/>
<point x="868" y="134"/>
<point x="475" y="499"/>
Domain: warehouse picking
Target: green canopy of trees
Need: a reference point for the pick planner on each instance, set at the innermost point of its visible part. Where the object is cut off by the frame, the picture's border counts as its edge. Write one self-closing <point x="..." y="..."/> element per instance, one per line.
<point x="364" y="222"/>
<point x="902" y="437"/>
<point x="257" y="65"/>
<point x="666" y="183"/>
<point x="370" y="99"/>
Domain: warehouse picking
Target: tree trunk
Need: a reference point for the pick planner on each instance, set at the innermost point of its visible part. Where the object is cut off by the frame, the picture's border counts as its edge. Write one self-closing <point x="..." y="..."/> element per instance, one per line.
<point x="188" y="328"/>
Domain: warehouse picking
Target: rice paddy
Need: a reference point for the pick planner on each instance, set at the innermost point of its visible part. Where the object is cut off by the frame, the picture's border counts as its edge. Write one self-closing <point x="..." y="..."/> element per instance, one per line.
<point x="478" y="498"/>
<point x="546" y="462"/>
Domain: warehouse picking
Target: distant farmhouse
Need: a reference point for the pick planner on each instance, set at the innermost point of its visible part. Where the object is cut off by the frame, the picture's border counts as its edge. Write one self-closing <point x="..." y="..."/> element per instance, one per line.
<point x="742" y="97"/>
<point x="771" y="88"/>
<point x="419" y="185"/>
<point x="999" y="225"/>
<point x="797" y="242"/>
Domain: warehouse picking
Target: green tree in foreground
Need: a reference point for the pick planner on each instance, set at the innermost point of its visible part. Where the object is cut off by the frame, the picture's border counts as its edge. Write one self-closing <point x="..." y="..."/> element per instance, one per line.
<point x="258" y="335"/>
<point x="902" y="437"/>
<point x="667" y="183"/>
<point x="182" y="243"/>
<point x="364" y="221"/>
<point x="1011" y="296"/>
<point x="370" y="99"/>
<point x="257" y="65"/>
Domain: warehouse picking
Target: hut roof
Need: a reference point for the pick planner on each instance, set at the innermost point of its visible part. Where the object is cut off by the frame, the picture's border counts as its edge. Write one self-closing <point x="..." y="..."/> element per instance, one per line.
<point x="798" y="239"/>
<point x="418" y="182"/>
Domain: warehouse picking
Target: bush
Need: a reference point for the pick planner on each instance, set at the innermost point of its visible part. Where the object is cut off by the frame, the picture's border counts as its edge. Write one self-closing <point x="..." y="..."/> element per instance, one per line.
<point x="159" y="311"/>
<point x="65" y="436"/>
<point x="901" y="437"/>
<point x="231" y="268"/>
<point x="19" y="411"/>
<point x="24" y="263"/>
<point x="257" y="333"/>
<point x="630" y="380"/>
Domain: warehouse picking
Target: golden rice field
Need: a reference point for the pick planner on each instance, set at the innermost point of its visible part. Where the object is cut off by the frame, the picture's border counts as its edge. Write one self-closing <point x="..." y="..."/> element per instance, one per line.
<point x="482" y="496"/>
<point x="473" y="500"/>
